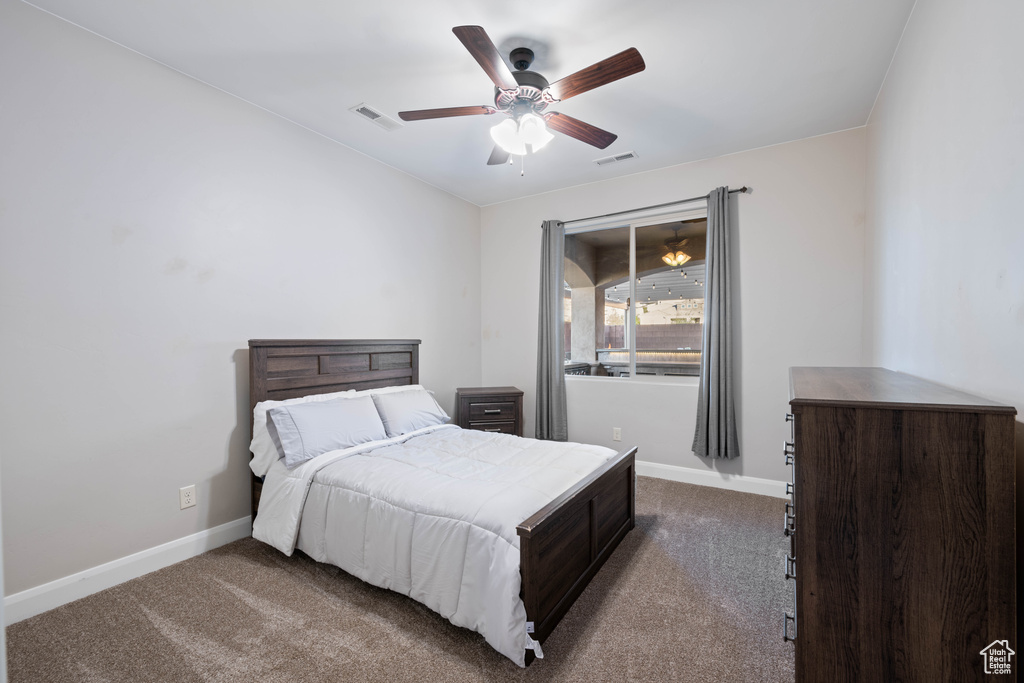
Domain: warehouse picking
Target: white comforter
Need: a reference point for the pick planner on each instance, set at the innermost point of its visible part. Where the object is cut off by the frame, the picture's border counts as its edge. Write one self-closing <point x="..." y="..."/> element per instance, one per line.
<point x="432" y="514"/>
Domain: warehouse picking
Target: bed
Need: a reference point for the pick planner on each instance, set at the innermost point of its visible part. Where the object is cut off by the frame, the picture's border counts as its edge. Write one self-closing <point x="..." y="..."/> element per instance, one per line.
<point x="561" y="545"/>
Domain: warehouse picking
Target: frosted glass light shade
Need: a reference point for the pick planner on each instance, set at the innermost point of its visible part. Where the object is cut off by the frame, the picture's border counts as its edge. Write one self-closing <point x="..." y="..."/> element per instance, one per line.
<point x="533" y="132"/>
<point x="506" y="136"/>
<point x="513" y="136"/>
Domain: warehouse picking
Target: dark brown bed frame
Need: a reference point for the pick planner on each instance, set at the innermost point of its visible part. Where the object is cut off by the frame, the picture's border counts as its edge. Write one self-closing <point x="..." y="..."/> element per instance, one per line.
<point x="561" y="547"/>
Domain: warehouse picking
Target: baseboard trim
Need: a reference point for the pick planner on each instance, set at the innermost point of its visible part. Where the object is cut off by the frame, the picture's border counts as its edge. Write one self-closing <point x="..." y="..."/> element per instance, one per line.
<point x="733" y="482"/>
<point x="37" y="600"/>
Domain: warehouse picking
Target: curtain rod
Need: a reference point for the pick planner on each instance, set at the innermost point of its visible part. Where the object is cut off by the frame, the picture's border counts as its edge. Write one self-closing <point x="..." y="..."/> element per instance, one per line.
<point x="655" y="206"/>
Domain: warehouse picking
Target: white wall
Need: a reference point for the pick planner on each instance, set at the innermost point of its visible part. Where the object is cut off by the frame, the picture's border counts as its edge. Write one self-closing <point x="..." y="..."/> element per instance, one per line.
<point x="800" y="292"/>
<point x="151" y="225"/>
<point x="946" y="219"/>
<point x="945" y="182"/>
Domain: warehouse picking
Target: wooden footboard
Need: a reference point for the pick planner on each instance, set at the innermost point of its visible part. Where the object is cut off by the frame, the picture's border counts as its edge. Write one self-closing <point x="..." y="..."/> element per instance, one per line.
<point x="564" y="544"/>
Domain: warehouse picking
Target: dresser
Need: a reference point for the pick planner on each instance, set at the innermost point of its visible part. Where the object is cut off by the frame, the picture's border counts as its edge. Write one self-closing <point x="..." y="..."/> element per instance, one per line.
<point x="490" y="409"/>
<point x="901" y="522"/>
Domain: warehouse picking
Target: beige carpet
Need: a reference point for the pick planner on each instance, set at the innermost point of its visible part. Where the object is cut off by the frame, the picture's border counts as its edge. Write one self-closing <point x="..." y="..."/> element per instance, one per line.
<point x="694" y="593"/>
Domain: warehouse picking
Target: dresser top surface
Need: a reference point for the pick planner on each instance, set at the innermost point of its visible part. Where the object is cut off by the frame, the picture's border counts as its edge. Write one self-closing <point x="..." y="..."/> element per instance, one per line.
<point x="881" y="388"/>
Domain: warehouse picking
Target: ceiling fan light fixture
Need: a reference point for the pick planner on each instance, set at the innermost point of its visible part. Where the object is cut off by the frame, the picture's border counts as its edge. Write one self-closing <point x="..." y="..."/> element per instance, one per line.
<point x="514" y="135"/>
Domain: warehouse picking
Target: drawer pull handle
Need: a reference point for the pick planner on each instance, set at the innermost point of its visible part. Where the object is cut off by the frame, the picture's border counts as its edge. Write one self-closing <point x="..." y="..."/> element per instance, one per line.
<point x="786" y="618"/>
<point x="789" y="417"/>
<point x="492" y="411"/>
<point x="790" y="567"/>
<point x="788" y="450"/>
<point x="493" y="429"/>
<point x="789" y="522"/>
<point x="789" y="489"/>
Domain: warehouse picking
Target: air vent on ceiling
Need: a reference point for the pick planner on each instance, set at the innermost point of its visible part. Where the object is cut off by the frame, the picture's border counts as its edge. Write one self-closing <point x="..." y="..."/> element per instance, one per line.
<point x="615" y="158"/>
<point x="371" y="114"/>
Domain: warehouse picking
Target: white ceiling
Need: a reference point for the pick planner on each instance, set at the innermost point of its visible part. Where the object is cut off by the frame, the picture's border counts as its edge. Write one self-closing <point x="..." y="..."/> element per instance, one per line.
<point x="722" y="76"/>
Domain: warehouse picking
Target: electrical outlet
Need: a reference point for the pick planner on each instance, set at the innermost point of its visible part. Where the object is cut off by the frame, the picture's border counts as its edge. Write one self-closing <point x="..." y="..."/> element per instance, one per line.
<point x="187" y="496"/>
<point x="616" y="433"/>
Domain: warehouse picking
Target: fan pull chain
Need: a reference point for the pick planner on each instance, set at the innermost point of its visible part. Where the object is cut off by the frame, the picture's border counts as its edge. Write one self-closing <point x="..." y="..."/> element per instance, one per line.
<point x="522" y="166"/>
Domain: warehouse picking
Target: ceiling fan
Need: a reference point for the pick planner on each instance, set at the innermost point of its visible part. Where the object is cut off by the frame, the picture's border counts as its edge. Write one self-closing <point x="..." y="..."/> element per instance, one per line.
<point x="524" y="95"/>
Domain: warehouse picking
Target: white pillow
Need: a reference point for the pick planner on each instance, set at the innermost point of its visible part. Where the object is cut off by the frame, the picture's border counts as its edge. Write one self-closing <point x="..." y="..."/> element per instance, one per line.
<point x="264" y="452"/>
<point x="306" y="430"/>
<point x="406" y="411"/>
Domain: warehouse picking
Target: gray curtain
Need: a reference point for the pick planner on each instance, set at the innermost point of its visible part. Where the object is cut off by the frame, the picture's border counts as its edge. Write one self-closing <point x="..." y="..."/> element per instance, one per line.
<point x="551" y="413"/>
<point x="715" y="435"/>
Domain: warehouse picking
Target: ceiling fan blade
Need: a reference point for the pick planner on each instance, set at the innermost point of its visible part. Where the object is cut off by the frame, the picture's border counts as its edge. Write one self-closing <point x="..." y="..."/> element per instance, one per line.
<point x="482" y="48"/>
<point x="498" y="156"/>
<point x="626" y="63"/>
<point x="420" y="114"/>
<point x="574" y="128"/>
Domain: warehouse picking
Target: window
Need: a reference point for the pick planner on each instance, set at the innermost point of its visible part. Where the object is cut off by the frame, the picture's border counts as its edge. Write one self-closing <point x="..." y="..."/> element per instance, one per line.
<point x="634" y="297"/>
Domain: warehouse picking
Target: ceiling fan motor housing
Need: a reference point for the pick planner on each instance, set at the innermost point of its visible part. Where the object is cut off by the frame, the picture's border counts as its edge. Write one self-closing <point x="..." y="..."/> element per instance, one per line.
<point x="528" y="97"/>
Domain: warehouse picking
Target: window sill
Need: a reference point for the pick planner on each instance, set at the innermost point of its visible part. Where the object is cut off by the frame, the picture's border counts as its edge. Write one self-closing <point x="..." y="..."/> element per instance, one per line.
<point x="685" y="381"/>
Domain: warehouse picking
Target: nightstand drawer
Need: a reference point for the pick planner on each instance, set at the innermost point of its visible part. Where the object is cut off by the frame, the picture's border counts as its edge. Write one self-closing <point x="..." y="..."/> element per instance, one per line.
<point x="503" y="427"/>
<point x="505" y="410"/>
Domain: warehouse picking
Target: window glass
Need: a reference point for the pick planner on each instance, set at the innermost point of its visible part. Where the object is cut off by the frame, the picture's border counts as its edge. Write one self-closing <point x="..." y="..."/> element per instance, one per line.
<point x="662" y="324"/>
<point x="669" y="298"/>
<point x="597" y="291"/>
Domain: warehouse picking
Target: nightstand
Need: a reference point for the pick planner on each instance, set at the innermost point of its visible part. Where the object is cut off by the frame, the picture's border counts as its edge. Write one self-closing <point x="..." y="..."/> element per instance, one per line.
<point x="490" y="409"/>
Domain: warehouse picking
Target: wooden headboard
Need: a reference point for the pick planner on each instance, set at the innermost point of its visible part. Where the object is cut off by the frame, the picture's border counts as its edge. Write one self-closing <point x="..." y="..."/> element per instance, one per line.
<point x="286" y="368"/>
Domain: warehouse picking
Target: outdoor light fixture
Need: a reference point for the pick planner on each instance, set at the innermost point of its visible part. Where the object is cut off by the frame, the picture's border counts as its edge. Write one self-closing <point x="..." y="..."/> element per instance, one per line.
<point x="675" y="256"/>
<point x="513" y="135"/>
<point x="676" y="259"/>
